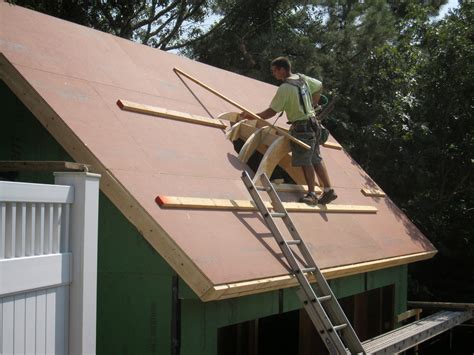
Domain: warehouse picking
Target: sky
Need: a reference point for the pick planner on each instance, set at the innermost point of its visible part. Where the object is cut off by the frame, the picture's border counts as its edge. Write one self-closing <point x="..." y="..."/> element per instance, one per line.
<point x="448" y="6"/>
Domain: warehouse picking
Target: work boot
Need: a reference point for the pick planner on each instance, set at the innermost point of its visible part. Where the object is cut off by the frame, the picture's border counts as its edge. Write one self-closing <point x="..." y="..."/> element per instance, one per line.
<point x="327" y="197"/>
<point x="310" y="198"/>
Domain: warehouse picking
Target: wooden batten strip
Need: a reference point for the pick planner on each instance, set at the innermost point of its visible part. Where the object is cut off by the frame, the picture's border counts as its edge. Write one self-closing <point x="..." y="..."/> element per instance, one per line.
<point x="171" y="114"/>
<point x="247" y="205"/>
<point x="248" y="129"/>
<point x="373" y="192"/>
<point x="294" y="188"/>
<point x="332" y="145"/>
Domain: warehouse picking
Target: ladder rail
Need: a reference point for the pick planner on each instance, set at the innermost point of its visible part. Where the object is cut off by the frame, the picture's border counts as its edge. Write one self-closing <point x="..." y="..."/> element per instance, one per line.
<point x="322" y="322"/>
<point x="333" y="307"/>
<point x="328" y="319"/>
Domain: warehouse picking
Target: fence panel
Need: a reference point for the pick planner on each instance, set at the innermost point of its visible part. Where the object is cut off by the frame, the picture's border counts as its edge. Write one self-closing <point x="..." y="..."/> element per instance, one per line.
<point x="35" y="264"/>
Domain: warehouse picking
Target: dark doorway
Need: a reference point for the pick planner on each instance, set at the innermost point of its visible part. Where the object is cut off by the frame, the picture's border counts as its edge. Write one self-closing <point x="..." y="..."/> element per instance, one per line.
<point x="371" y="313"/>
<point x="276" y="334"/>
<point x="292" y="333"/>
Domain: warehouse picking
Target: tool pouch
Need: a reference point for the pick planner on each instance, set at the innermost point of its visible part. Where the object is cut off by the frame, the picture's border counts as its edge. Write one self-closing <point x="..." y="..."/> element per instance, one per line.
<point x="322" y="134"/>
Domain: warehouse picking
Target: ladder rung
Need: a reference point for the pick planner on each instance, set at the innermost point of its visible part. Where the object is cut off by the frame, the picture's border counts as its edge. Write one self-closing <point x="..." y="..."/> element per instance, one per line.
<point x="262" y="188"/>
<point x="309" y="269"/>
<point x="324" y="298"/>
<point x="340" y="327"/>
<point x="293" y="242"/>
<point x="278" y="214"/>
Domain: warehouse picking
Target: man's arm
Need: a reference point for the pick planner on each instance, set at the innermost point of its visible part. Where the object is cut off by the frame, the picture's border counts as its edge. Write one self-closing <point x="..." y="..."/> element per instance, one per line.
<point x="316" y="96"/>
<point x="268" y="113"/>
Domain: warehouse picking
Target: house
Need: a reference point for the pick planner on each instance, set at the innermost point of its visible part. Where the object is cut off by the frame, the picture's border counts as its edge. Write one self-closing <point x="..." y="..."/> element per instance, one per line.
<point x="187" y="280"/>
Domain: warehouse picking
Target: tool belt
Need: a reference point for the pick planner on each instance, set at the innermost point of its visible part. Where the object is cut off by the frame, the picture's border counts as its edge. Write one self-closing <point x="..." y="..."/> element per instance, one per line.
<point x="311" y="125"/>
<point x="303" y="126"/>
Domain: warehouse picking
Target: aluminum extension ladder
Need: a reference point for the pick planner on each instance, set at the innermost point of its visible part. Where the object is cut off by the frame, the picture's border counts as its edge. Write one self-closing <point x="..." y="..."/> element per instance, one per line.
<point x="319" y="301"/>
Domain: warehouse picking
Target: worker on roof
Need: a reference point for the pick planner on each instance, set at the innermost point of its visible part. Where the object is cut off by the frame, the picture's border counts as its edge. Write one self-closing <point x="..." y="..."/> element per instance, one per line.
<point x="297" y="96"/>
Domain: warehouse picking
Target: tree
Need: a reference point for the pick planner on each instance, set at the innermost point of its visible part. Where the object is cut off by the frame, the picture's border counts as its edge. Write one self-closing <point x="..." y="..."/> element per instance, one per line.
<point x="163" y="24"/>
<point x="443" y="141"/>
<point x="252" y="33"/>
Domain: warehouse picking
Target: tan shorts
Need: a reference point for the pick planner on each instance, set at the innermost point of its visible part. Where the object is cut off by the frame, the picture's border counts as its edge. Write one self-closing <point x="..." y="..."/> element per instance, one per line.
<point x="300" y="155"/>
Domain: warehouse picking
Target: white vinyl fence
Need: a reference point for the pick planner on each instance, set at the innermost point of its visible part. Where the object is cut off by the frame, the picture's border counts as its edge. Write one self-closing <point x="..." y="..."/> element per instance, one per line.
<point x="48" y="265"/>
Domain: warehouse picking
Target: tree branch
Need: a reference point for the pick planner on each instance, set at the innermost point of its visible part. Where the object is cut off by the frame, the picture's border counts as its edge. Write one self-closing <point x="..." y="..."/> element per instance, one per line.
<point x="147" y="21"/>
<point x="184" y="44"/>
<point x="179" y="20"/>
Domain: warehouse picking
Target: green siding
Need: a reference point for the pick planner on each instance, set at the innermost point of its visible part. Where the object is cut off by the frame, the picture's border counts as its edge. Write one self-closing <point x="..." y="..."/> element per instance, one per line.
<point x="200" y="321"/>
<point x="134" y="282"/>
<point x="22" y="137"/>
<point x="348" y="286"/>
<point x="134" y="293"/>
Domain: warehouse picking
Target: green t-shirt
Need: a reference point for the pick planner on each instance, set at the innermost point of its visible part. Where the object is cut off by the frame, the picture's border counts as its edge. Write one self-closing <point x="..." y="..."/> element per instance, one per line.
<point x="287" y="99"/>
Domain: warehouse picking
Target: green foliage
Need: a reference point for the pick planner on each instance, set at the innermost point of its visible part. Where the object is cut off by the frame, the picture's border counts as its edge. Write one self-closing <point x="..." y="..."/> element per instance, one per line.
<point x="256" y="31"/>
<point x="444" y="133"/>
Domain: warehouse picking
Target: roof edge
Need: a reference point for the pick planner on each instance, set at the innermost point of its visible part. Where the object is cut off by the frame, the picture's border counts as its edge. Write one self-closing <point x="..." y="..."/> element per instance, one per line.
<point x="223" y="291"/>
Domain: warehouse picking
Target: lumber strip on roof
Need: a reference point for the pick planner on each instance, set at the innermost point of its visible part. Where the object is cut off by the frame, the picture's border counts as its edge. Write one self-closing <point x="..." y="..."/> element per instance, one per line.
<point x="294" y="188"/>
<point x="163" y="112"/>
<point x="247" y="205"/>
<point x="27" y="165"/>
<point x="241" y="108"/>
<point x="373" y="192"/>
<point x="332" y="145"/>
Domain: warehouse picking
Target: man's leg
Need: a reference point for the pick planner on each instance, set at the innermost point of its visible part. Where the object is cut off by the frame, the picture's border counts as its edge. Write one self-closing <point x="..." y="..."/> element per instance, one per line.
<point x="309" y="177"/>
<point x="321" y="171"/>
<point x="303" y="158"/>
<point x="310" y="198"/>
<point x="328" y="193"/>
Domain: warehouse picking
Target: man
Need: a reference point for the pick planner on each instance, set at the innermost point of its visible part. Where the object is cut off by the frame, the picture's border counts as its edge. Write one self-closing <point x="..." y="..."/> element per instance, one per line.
<point x="297" y="96"/>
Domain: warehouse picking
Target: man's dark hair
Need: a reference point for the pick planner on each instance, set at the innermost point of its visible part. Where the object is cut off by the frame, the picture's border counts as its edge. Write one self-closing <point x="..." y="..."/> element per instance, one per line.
<point x="282" y="62"/>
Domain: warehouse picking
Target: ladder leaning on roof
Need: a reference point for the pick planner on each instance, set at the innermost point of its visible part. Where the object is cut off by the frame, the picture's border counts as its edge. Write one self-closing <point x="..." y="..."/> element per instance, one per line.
<point x="319" y="301"/>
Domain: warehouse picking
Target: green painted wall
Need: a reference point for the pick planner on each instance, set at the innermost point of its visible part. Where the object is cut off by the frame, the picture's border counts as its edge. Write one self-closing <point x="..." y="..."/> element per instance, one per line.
<point x="200" y="321"/>
<point x="134" y="282"/>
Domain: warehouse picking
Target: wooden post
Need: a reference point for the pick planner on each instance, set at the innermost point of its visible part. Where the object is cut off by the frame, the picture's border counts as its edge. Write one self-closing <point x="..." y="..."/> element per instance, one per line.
<point x="84" y="214"/>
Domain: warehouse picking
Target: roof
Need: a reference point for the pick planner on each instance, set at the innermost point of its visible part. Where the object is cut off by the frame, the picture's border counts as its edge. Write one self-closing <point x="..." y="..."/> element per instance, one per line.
<point x="71" y="77"/>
